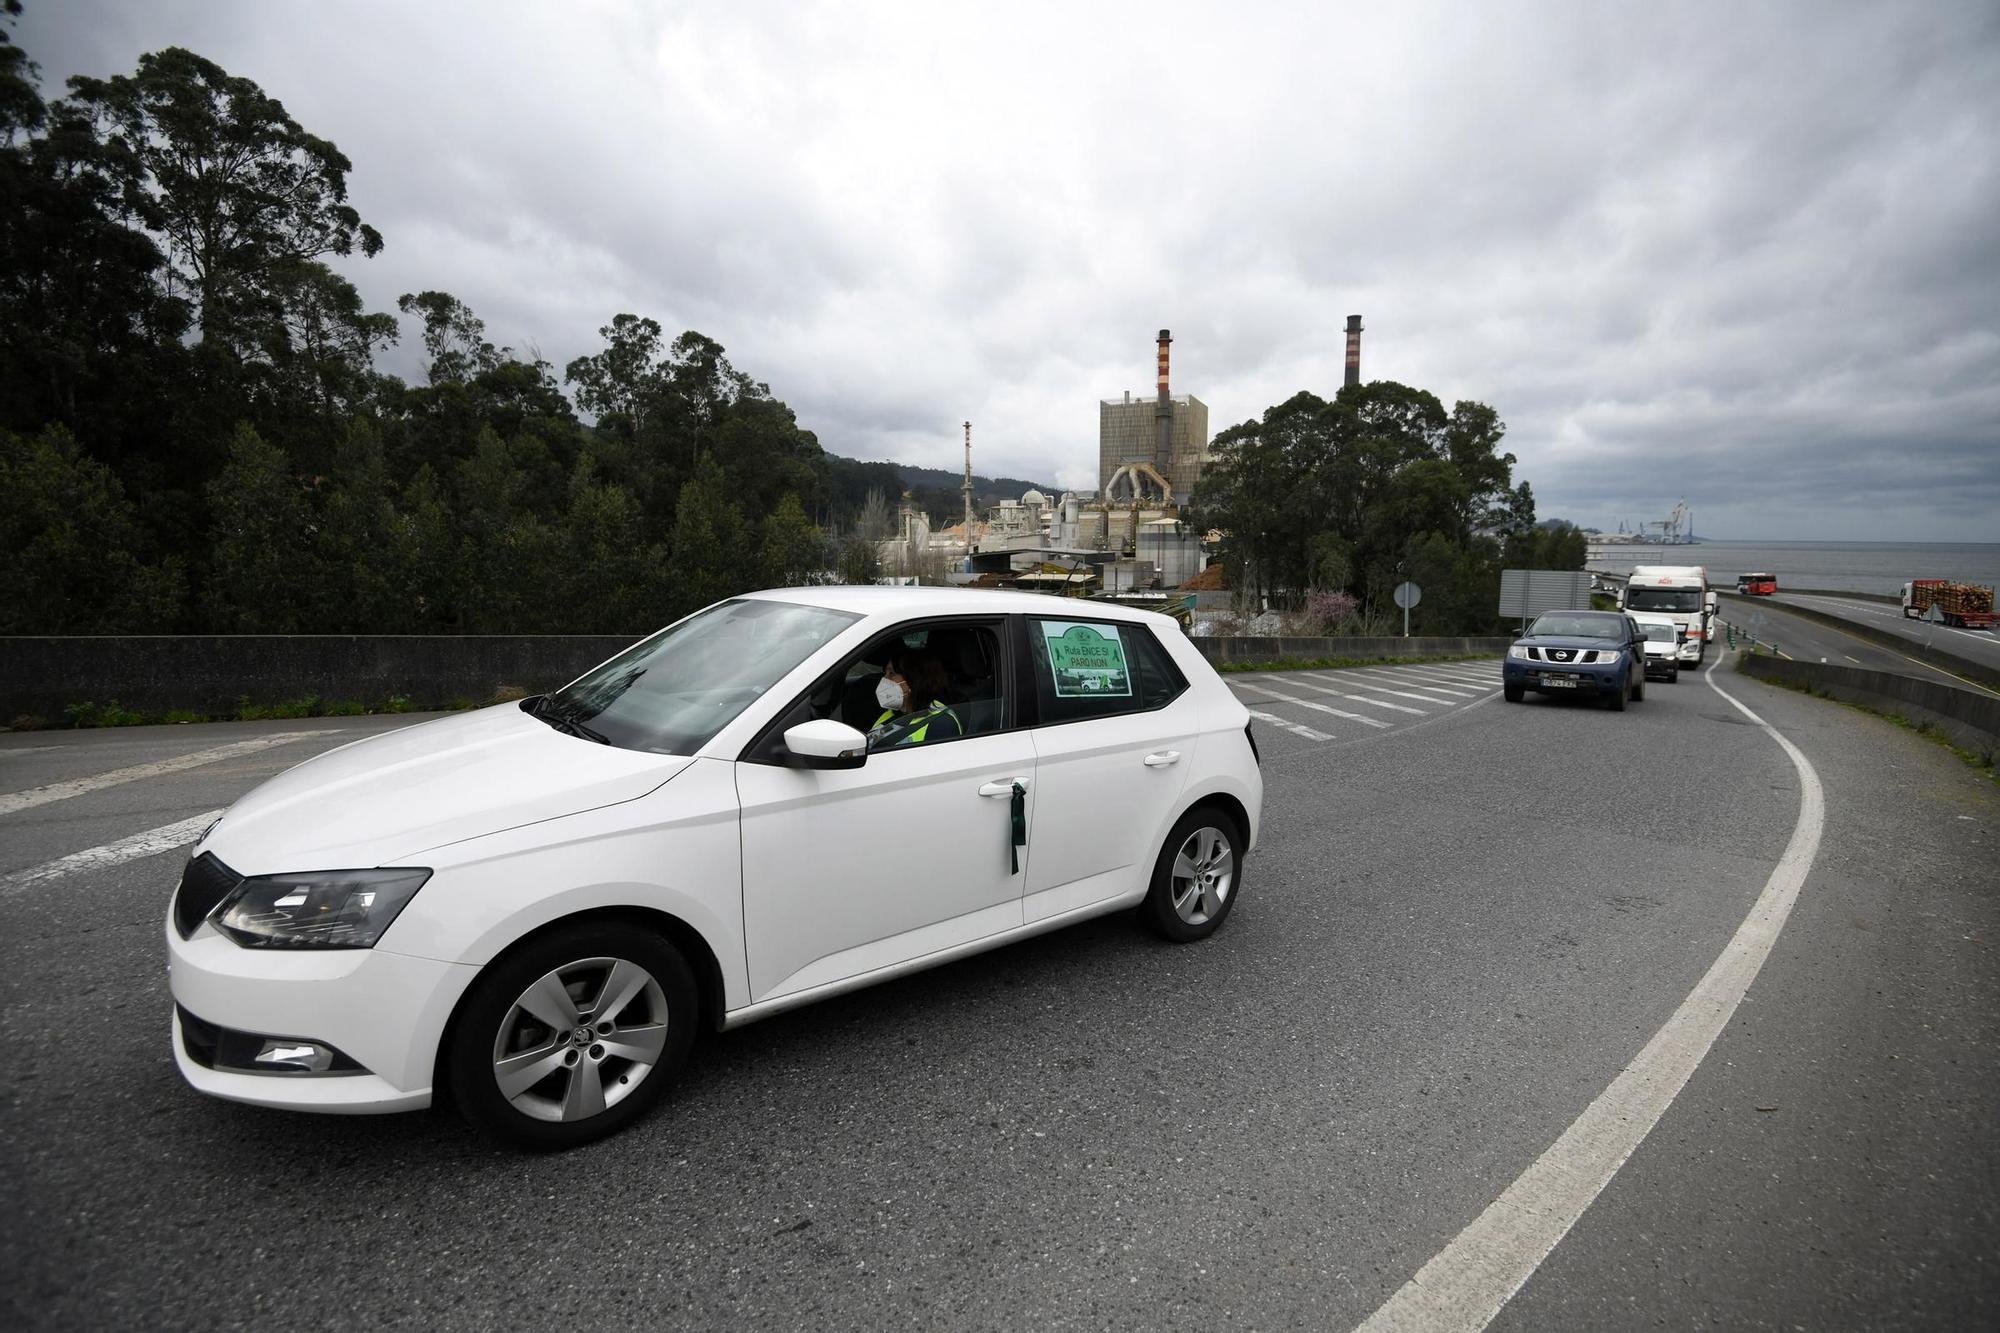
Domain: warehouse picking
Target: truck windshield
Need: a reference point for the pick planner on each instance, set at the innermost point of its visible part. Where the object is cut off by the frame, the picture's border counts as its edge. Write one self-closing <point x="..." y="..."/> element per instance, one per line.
<point x="669" y="694"/>
<point x="1663" y="599"/>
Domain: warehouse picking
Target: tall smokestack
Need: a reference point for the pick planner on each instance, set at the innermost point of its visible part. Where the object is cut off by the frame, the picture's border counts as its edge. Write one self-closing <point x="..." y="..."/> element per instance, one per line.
<point x="968" y="488"/>
<point x="1353" y="350"/>
<point x="1163" y="414"/>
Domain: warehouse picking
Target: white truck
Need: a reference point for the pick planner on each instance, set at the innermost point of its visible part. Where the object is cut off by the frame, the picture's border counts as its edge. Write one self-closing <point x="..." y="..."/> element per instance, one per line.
<point x="1679" y="593"/>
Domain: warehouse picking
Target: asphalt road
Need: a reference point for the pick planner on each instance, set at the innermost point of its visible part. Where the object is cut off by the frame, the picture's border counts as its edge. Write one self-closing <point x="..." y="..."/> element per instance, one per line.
<point x="1810" y="640"/>
<point x="1980" y="645"/>
<point x="1458" y="930"/>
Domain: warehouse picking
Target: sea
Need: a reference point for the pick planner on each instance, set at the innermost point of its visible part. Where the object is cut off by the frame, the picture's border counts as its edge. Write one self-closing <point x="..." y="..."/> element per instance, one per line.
<point x="1877" y="567"/>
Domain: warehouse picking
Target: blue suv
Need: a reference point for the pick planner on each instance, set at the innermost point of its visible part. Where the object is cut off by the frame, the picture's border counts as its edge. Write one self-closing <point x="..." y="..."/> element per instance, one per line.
<point x="1595" y="653"/>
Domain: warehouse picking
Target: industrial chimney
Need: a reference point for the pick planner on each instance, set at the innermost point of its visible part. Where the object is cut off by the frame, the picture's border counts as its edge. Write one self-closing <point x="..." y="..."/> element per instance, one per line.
<point x="968" y="488"/>
<point x="1353" y="350"/>
<point x="1163" y="414"/>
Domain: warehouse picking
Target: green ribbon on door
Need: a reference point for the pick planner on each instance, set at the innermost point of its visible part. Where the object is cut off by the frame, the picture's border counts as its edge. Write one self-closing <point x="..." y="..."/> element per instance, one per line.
<point x="1020" y="807"/>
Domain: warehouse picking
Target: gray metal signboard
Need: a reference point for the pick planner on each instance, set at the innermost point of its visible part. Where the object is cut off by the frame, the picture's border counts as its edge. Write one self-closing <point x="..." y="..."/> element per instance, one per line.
<point x="1526" y="593"/>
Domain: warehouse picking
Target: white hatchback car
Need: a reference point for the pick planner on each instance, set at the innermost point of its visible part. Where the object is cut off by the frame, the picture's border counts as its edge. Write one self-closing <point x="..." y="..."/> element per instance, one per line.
<point x="782" y="797"/>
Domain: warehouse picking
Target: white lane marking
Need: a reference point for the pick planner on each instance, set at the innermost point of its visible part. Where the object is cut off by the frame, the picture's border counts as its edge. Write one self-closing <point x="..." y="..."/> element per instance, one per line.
<point x="1292" y="727"/>
<point x="1371" y="701"/>
<point x="1367" y="699"/>
<point x="1371" y="685"/>
<point x="1437" y="671"/>
<point x="1374" y="689"/>
<point x="24" y="749"/>
<point x="58" y="791"/>
<point x="1433" y="687"/>
<point x="1472" y="1278"/>
<point x="1319" y="707"/>
<point x="150" y="843"/>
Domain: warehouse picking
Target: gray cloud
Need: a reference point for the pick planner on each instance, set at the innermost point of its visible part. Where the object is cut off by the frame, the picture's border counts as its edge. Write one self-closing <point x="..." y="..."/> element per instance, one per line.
<point x="1745" y="255"/>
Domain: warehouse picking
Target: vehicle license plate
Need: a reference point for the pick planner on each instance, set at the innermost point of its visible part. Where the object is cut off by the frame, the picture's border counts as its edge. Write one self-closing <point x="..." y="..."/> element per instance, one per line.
<point x="1559" y="682"/>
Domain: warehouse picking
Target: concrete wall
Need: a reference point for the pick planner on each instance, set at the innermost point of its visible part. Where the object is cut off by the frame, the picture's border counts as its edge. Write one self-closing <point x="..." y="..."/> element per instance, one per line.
<point x="209" y="673"/>
<point x="1249" y="648"/>
<point x="1972" y="719"/>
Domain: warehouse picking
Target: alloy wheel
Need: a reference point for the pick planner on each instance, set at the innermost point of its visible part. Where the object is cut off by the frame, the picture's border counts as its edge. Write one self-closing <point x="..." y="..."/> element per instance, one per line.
<point x="1204" y="872"/>
<point x="581" y="1039"/>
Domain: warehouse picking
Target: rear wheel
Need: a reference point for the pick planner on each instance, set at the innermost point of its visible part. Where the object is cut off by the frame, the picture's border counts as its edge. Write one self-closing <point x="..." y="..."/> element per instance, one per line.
<point x="573" y="1036"/>
<point x="1196" y="879"/>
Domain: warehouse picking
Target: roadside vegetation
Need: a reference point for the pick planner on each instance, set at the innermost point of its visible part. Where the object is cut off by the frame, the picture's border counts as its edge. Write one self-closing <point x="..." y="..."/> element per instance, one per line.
<point x="1328" y="505"/>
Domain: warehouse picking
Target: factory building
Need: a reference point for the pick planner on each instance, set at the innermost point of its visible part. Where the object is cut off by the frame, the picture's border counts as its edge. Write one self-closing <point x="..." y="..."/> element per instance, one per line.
<point x="1151" y="450"/>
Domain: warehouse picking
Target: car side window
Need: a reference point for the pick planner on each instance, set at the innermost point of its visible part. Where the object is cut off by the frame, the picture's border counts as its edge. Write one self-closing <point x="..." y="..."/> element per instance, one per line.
<point x="1086" y="669"/>
<point x="918" y="684"/>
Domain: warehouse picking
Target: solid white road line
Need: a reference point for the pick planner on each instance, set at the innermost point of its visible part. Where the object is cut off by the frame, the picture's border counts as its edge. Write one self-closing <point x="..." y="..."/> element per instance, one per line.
<point x="1318" y="707"/>
<point x="1292" y="727"/>
<point x="150" y="843"/>
<point x="1468" y="1281"/>
<point x="58" y="791"/>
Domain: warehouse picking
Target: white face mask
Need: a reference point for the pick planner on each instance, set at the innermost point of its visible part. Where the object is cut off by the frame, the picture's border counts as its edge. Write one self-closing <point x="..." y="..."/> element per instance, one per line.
<point x="888" y="693"/>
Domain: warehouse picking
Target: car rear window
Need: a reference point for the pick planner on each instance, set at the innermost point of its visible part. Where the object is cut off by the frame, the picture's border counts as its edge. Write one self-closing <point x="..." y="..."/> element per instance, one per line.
<point x="1093" y="668"/>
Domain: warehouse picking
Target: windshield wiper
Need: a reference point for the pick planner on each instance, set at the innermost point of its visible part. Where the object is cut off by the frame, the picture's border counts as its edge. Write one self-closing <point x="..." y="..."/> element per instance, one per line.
<point x="553" y="713"/>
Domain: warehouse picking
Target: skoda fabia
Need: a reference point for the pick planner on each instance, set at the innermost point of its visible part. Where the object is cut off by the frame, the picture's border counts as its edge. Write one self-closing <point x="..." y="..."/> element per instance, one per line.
<point x="531" y="908"/>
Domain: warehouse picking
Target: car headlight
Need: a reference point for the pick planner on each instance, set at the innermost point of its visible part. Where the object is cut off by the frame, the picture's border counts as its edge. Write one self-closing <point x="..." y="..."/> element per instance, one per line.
<point x="1518" y="653"/>
<point x="333" y="909"/>
<point x="1606" y="654"/>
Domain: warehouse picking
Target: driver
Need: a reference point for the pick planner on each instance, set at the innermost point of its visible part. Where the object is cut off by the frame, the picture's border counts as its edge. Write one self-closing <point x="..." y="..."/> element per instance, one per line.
<point x="911" y="694"/>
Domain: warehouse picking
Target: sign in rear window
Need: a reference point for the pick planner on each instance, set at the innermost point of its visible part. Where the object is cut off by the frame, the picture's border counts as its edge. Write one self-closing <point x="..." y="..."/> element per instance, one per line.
<point x="1088" y="661"/>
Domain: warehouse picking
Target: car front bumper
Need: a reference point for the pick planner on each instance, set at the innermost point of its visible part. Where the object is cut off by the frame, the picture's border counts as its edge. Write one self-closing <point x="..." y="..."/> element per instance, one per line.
<point x="1582" y="677"/>
<point x="385" y="1012"/>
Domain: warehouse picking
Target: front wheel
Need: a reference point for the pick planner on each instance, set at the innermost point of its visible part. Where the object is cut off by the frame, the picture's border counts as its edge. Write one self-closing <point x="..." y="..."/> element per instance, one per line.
<point x="1674" y="674"/>
<point x="1615" y="700"/>
<point x="573" y="1036"/>
<point x="1513" y="693"/>
<point x="1197" y="877"/>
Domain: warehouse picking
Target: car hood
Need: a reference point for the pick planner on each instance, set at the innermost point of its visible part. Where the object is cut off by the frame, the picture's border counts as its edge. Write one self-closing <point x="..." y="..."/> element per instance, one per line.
<point x="385" y="799"/>
<point x="1564" y="641"/>
<point x="1662" y="648"/>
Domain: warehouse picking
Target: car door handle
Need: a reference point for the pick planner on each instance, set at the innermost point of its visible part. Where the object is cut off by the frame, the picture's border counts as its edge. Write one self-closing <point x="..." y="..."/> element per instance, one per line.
<point x="1004" y="787"/>
<point x="1163" y="758"/>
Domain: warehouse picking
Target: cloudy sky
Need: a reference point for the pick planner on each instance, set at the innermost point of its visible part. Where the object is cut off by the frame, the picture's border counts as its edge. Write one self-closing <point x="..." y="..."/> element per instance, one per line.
<point x="1742" y="255"/>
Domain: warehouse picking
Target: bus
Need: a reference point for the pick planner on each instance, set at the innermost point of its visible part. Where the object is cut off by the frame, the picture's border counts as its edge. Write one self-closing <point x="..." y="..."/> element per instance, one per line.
<point x="1757" y="585"/>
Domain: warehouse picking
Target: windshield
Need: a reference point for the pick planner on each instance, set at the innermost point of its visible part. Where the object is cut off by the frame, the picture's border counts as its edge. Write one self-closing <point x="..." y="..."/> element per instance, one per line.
<point x="671" y="693"/>
<point x="1578" y="625"/>
<point x="1658" y="631"/>
<point x="1663" y="599"/>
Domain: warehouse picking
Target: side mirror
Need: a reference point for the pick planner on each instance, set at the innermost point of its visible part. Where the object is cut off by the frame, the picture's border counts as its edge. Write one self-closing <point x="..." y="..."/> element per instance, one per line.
<point x="825" y="743"/>
<point x="1711" y="603"/>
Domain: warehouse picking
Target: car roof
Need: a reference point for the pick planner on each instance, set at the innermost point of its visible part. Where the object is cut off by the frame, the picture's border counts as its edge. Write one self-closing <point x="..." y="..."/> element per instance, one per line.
<point x="925" y="600"/>
<point x="1605" y="615"/>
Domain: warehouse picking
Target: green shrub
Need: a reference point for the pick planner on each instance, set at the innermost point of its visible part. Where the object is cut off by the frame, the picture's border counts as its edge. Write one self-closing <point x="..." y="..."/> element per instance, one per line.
<point x="110" y="715"/>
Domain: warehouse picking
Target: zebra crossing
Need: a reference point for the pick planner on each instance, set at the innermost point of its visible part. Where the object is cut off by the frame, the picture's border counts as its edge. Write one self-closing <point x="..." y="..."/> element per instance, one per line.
<point x="1349" y="703"/>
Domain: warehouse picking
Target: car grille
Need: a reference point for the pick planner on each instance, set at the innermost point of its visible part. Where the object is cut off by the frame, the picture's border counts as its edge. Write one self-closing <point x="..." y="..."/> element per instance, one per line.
<point x="204" y="883"/>
<point x="1572" y="655"/>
